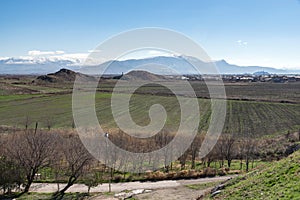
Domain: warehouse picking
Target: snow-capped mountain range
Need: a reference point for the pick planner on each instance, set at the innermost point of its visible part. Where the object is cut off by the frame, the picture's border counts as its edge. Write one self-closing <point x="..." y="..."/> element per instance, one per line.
<point x="181" y="64"/>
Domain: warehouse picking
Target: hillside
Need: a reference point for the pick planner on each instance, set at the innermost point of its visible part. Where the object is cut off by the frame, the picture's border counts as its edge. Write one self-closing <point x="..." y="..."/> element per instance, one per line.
<point x="277" y="180"/>
<point x="137" y="75"/>
<point x="61" y="76"/>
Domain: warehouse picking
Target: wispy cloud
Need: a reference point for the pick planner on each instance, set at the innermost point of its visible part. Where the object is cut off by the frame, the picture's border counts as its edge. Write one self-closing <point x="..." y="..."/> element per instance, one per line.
<point x="53" y="56"/>
<point x="94" y="51"/>
<point x="44" y="53"/>
<point x="144" y="53"/>
<point x="40" y="57"/>
<point x="4" y="58"/>
<point x="242" y="43"/>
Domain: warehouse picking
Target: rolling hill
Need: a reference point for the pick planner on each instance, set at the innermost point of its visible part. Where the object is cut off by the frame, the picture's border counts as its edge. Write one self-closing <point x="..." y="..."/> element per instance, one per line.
<point x="137" y="75"/>
<point x="61" y="76"/>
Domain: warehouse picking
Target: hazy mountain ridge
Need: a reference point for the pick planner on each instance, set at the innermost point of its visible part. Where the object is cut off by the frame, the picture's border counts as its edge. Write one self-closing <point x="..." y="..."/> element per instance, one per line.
<point x="35" y="66"/>
<point x="157" y="65"/>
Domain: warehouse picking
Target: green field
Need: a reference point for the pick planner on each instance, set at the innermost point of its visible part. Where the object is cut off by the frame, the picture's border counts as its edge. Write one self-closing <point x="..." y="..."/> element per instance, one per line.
<point x="258" y="108"/>
<point x="260" y="118"/>
<point x="257" y="91"/>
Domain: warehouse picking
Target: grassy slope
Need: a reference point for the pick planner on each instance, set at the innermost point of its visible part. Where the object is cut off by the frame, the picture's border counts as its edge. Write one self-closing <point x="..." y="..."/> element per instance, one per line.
<point x="277" y="180"/>
<point x="261" y="117"/>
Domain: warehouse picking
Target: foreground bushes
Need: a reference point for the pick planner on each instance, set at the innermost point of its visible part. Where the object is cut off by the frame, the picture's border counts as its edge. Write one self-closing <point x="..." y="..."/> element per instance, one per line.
<point x="185" y="174"/>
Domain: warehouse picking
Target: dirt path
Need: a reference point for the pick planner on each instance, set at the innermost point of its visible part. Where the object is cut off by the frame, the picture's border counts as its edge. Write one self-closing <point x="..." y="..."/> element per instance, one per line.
<point x="118" y="187"/>
<point x="180" y="192"/>
<point x="167" y="190"/>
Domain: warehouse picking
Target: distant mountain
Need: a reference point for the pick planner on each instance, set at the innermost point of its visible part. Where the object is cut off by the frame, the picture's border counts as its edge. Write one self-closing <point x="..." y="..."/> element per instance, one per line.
<point x="35" y="66"/>
<point x="184" y="65"/>
<point x="157" y="65"/>
<point x="261" y="73"/>
<point x="226" y="68"/>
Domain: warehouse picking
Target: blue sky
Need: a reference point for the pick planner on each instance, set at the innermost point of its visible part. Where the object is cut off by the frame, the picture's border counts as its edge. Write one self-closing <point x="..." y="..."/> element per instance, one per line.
<point x="244" y="32"/>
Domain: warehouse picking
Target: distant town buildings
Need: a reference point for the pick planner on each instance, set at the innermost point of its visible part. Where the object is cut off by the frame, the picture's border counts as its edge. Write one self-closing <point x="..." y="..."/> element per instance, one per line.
<point x="275" y="78"/>
<point x="260" y="76"/>
<point x="256" y="77"/>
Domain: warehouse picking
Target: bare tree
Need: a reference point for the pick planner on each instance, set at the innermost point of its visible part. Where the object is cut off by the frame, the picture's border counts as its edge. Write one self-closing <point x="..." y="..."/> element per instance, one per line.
<point x="161" y="140"/>
<point x="249" y="145"/>
<point x="91" y="178"/>
<point x="210" y="157"/>
<point x="27" y="122"/>
<point x="11" y="176"/>
<point x="49" y="123"/>
<point x="75" y="159"/>
<point x="194" y="149"/>
<point x="182" y="160"/>
<point x="31" y="150"/>
<point x="241" y="151"/>
<point x="228" y="141"/>
<point x="249" y="148"/>
<point x="220" y="148"/>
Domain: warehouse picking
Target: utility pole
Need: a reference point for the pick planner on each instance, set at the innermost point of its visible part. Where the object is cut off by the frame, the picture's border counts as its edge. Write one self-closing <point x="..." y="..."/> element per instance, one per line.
<point x="110" y="173"/>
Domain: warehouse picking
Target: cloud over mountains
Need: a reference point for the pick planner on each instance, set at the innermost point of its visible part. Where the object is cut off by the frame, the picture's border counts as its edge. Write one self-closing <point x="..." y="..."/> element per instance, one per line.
<point x="43" y="62"/>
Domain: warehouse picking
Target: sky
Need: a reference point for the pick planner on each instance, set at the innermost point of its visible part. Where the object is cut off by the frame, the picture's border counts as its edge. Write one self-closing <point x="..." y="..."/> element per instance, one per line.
<point x="243" y="32"/>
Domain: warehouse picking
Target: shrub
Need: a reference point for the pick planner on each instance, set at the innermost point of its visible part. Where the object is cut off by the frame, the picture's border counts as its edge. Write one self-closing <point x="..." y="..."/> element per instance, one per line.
<point x="209" y="172"/>
<point x="221" y="172"/>
<point x="129" y="178"/>
<point x="158" y="175"/>
<point x="118" y="178"/>
<point x="171" y="175"/>
<point x="183" y="173"/>
<point x="193" y="174"/>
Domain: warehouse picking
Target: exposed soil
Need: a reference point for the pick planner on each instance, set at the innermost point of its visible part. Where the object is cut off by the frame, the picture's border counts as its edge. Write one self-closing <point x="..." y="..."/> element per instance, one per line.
<point x="166" y="190"/>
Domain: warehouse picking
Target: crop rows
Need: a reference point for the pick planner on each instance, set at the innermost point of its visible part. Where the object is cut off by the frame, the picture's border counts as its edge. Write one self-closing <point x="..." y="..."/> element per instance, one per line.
<point x="259" y="118"/>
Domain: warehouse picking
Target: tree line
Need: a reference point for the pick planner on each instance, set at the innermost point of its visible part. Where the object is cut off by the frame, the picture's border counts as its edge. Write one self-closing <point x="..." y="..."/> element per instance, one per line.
<point x="25" y="153"/>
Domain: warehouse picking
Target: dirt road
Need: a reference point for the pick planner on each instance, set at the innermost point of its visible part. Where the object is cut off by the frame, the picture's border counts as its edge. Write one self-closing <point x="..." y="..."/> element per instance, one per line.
<point x="167" y="190"/>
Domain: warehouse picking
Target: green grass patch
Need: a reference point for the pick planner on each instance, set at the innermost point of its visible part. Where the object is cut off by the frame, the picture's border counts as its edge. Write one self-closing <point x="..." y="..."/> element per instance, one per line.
<point x="5" y="98"/>
<point x="202" y="186"/>
<point x="35" y="196"/>
<point x="42" y="196"/>
<point x="277" y="180"/>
